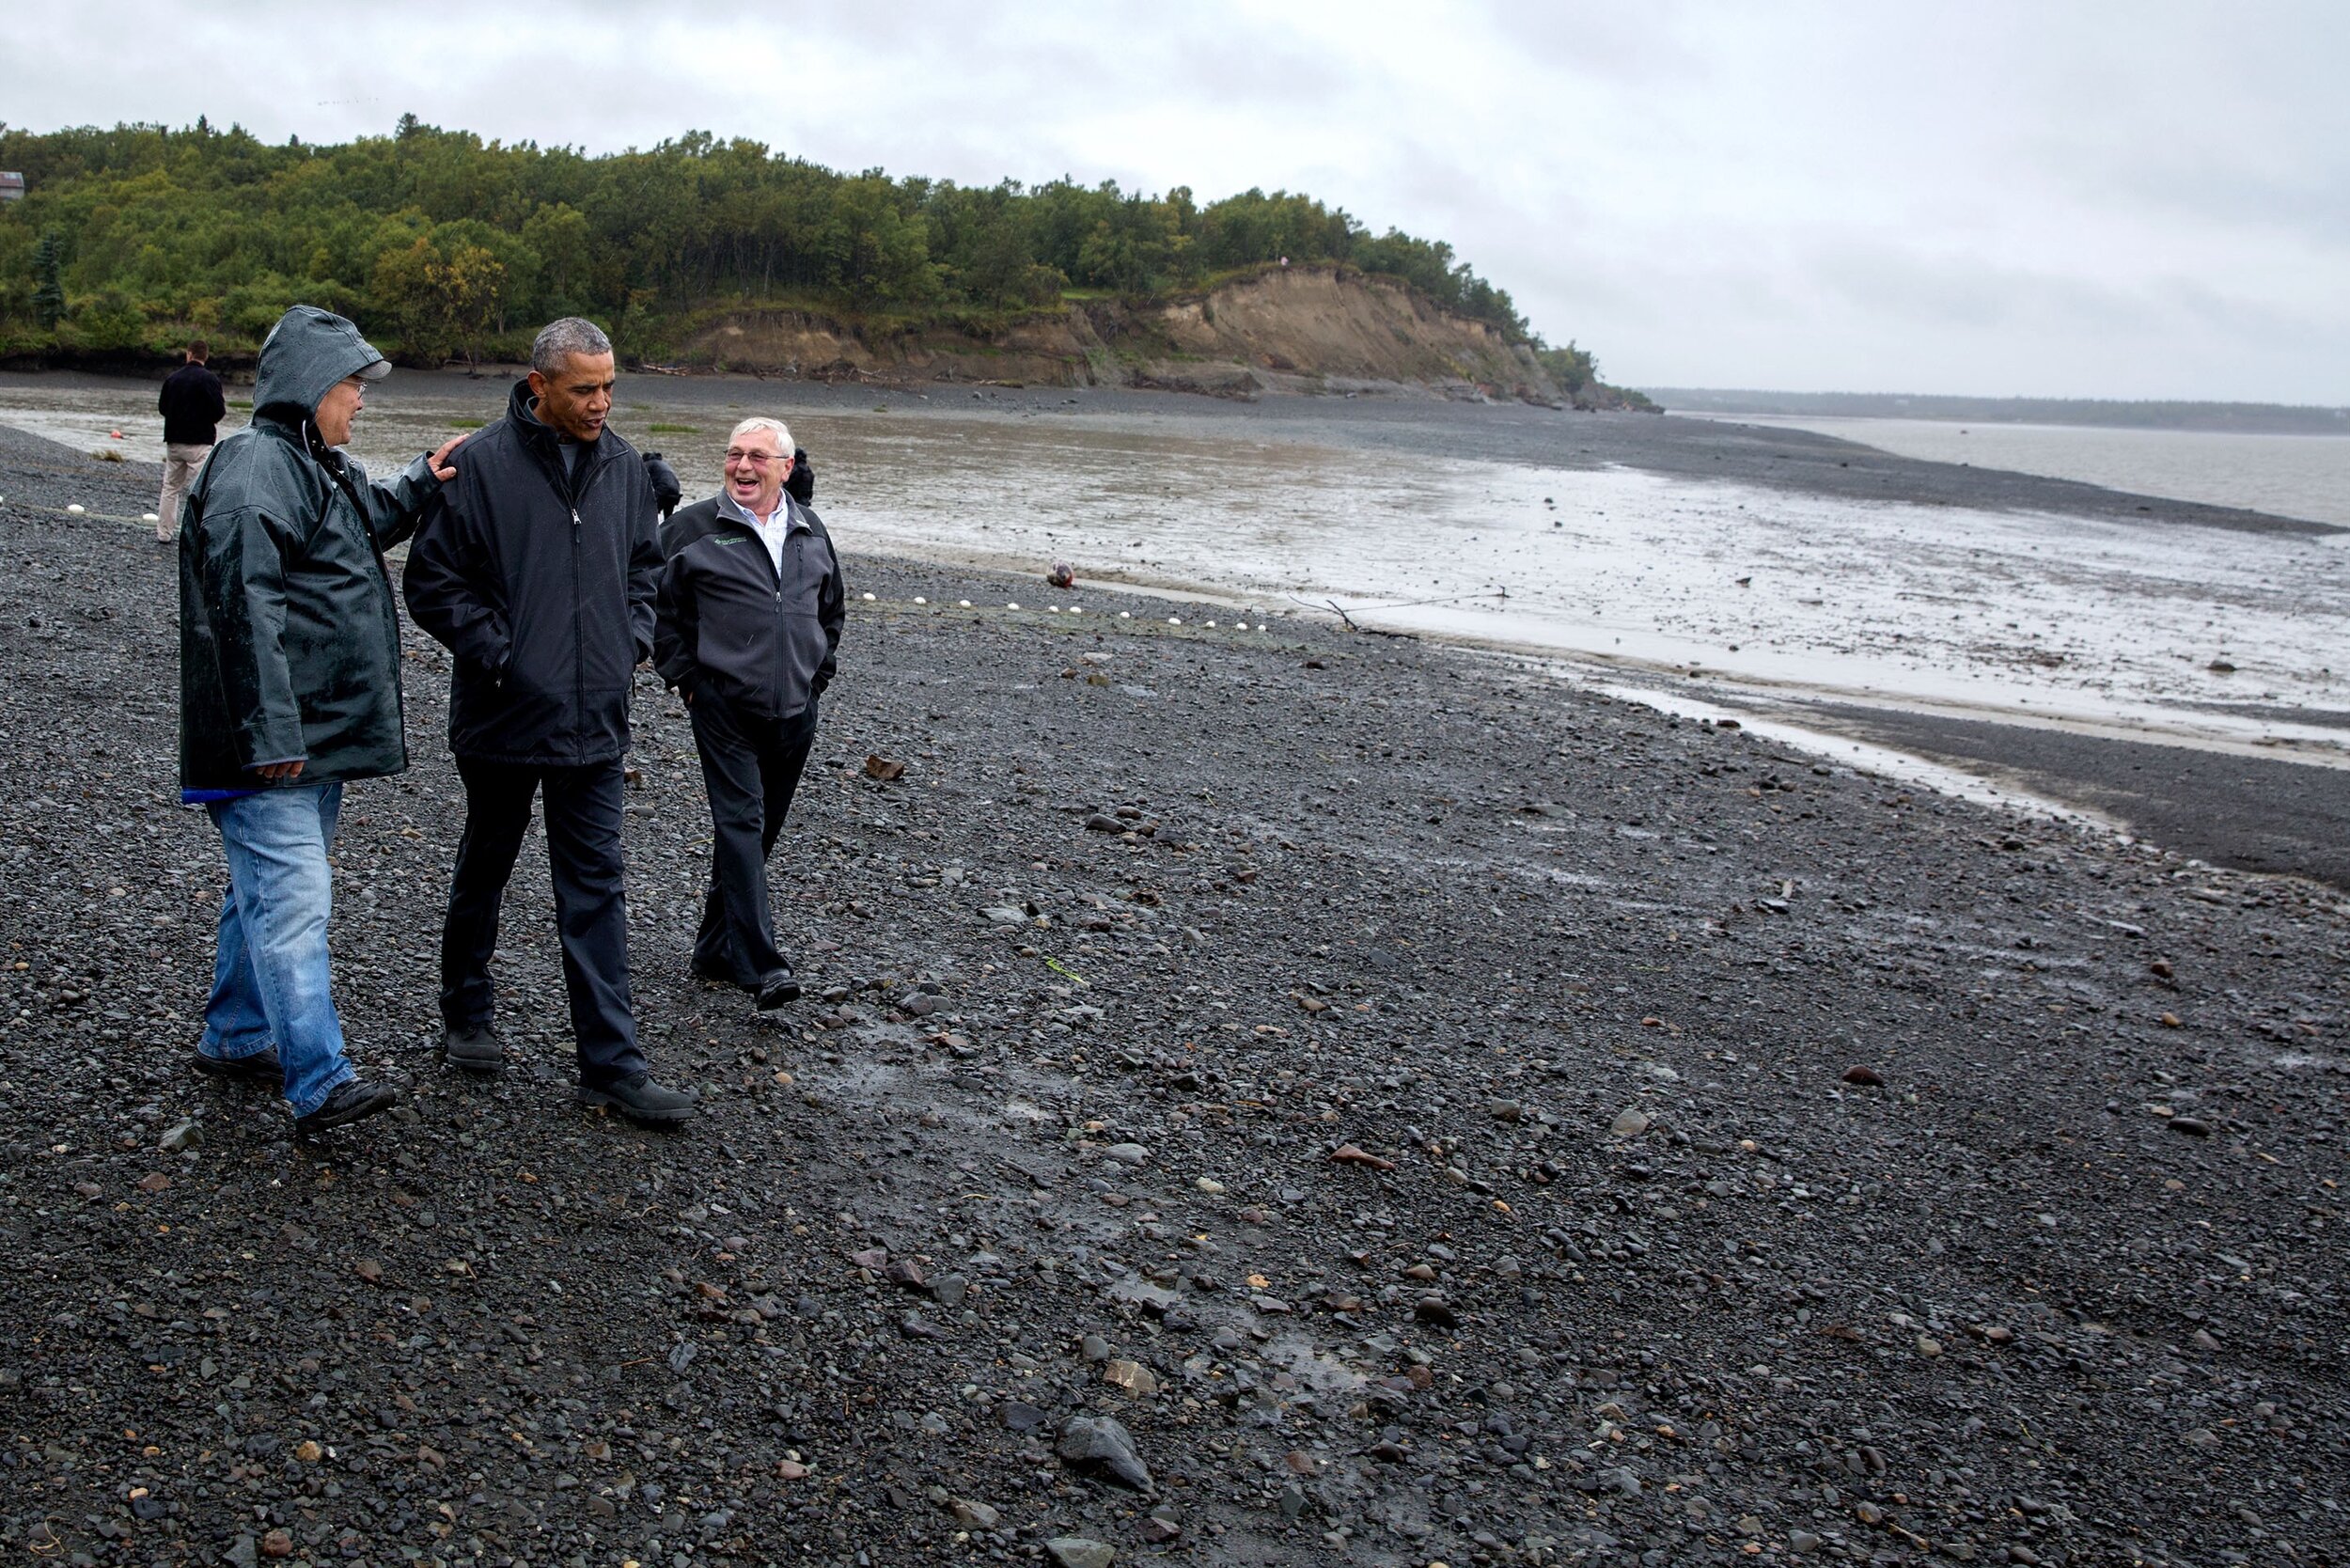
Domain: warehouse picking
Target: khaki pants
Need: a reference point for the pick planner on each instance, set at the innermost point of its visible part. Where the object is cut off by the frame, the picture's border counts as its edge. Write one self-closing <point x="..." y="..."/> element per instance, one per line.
<point x="181" y="462"/>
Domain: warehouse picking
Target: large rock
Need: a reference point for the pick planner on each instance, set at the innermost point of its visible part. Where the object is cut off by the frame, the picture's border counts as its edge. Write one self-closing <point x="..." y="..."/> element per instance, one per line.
<point x="1103" y="1445"/>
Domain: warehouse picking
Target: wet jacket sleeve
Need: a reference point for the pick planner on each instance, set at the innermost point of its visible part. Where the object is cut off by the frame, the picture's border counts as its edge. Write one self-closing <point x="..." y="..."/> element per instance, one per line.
<point x="395" y="506"/>
<point x="243" y="580"/>
<point x="644" y="582"/>
<point x="832" y="614"/>
<point x="675" y="633"/>
<point x="451" y="586"/>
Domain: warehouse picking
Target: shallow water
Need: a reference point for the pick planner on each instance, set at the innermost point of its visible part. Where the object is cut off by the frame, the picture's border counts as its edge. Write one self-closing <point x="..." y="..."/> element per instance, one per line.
<point x="1981" y="611"/>
<point x="2288" y="476"/>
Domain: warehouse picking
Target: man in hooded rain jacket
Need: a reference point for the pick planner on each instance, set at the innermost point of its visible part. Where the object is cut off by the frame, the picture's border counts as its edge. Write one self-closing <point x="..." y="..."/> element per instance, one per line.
<point x="290" y="689"/>
<point x="536" y="570"/>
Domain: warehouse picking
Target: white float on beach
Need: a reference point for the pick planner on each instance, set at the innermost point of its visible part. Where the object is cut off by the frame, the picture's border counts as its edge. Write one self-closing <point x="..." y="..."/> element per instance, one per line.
<point x="869" y="599"/>
<point x="149" y="517"/>
<point x="920" y="600"/>
<point x="73" y="508"/>
<point x="1174" y="620"/>
<point x="964" y="603"/>
<point x="1011" y="606"/>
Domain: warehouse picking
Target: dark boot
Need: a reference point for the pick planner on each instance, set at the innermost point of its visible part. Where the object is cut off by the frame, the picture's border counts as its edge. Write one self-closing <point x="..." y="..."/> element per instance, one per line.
<point x="641" y="1100"/>
<point x="262" y="1067"/>
<point x="475" y="1050"/>
<point x="349" y="1102"/>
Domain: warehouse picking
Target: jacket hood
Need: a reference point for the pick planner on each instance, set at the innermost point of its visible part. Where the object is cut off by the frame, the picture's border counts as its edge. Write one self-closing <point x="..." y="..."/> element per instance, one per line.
<point x="306" y="354"/>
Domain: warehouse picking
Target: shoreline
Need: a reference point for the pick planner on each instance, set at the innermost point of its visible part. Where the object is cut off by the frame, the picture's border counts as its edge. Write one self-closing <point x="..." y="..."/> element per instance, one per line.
<point x="2294" y="825"/>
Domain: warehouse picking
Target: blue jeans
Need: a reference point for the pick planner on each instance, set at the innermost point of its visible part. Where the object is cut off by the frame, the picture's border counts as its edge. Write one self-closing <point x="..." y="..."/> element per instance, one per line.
<point x="270" y="979"/>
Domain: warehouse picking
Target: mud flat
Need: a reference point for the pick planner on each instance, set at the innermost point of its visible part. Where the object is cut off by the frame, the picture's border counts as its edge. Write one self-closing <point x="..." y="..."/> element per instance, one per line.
<point x="1438" y="1116"/>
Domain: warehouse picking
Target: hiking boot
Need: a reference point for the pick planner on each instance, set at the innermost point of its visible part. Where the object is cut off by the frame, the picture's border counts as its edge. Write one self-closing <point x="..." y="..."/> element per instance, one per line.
<point x="777" y="988"/>
<point x="262" y="1067"/>
<point x="641" y="1100"/>
<point x="349" y="1102"/>
<point x="475" y="1050"/>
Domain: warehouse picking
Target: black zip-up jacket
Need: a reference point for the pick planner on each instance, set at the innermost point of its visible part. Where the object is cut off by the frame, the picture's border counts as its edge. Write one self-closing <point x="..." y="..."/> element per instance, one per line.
<point x="541" y="584"/>
<point x="192" y="406"/>
<point x="767" y="640"/>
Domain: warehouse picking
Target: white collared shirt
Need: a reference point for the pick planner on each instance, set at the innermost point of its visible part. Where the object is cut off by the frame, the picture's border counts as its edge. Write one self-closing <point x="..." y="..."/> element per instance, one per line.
<point x="773" y="529"/>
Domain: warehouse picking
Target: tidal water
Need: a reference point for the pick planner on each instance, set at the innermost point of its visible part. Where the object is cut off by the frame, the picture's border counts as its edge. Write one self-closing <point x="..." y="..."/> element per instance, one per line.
<point x="2186" y="633"/>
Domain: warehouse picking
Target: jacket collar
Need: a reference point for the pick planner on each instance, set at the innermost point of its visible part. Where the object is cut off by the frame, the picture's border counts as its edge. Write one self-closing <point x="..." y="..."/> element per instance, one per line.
<point x="522" y="414"/>
<point x="734" y="511"/>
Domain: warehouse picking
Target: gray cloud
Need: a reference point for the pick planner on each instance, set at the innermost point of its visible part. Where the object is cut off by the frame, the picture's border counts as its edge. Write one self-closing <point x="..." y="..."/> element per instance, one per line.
<point x="2141" y="200"/>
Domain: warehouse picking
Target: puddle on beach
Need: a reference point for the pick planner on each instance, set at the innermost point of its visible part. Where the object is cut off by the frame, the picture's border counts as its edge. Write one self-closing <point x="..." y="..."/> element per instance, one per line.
<point x="1983" y="613"/>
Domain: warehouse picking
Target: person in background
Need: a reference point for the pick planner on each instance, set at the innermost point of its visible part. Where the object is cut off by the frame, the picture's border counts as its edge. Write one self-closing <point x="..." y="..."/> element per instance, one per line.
<point x="537" y="571"/>
<point x="192" y="408"/>
<point x="750" y="612"/>
<point x="290" y="689"/>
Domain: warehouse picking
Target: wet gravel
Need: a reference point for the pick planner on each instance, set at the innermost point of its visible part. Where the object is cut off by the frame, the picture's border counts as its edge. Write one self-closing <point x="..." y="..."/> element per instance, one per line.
<point x="1269" y="1097"/>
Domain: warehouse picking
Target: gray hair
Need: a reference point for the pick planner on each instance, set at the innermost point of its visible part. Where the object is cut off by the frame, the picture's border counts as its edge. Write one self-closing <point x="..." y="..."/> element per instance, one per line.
<point x="761" y="422"/>
<point x="559" y="340"/>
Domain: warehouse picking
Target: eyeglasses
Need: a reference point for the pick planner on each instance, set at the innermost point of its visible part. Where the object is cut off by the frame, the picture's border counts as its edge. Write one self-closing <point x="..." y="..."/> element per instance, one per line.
<point x="757" y="459"/>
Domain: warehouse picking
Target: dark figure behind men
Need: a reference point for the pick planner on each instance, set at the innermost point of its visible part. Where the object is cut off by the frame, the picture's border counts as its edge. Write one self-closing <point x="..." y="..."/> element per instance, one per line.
<point x="537" y="571"/>
<point x="751" y="609"/>
<point x="193" y="407"/>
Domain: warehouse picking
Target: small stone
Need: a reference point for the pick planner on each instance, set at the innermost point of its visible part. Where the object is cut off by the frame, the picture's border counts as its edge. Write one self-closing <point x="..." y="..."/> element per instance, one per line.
<point x="1867" y="1078"/>
<point x="974" y="1516"/>
<point x="156" y="1182"/>
<point x="308" y="1451"/>
<point x="1094" y="1348"/>
<point x="1300" y="1462"/>
<point x="1003" y="915"/>
<point x="1133" y="1377"/>
<point x="369" y="1270"/>
<point x="1929" y="1347"/>
<point x="1506" y="1111"/>
<point x="1630" y="1123"/>
<point x="1126" y="1153"/>
<point x="1019" y="1415"/>
<point x="1868" y="1512"/>
<point x="1208" y="1184"/>
<point x="1158" y="1531"/>
<point x="2202" y="1437"/>
<point x="1436" y="1310"/>
<point x="1802" y="1541"/>
<point x="2191" y="1126"/>
<point x="906" y="1272"/>
<point x="791" y="1469"/>
<point x="948" y="1290"/>
<point x="1077" y="1551"/>
<point x="185" y="1135"/>
<point x="277" y="1543"/>
<point x="874" y="1257"/>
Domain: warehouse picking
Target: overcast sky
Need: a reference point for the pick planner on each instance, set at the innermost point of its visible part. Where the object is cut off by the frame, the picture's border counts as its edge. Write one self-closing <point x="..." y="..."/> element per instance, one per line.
<point x="2133" y="199"/>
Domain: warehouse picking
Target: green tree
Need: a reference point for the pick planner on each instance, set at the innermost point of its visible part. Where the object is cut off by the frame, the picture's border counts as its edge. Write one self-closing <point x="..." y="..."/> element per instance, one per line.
<point x="48" y="285"/>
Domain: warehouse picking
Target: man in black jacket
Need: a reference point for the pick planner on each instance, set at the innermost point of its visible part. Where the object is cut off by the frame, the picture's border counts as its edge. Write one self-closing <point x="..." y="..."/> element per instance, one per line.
<point x="537" y="571"/>
<point x="751" y="609"/>
<point x="193" y="409"/>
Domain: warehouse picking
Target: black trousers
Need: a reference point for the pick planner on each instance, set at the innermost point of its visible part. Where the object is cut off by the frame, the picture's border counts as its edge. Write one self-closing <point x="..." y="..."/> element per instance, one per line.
<point x="583" y="811"/>
<point x="751" y="767"/>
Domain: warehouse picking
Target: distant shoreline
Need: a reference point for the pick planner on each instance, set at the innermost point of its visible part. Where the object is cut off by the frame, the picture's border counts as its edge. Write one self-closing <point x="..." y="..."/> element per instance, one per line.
<point x="2236" y="418"/>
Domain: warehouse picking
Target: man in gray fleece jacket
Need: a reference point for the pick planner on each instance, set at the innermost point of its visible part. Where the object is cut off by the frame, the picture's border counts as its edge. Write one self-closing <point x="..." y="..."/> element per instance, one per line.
<point x="748" y="623"/>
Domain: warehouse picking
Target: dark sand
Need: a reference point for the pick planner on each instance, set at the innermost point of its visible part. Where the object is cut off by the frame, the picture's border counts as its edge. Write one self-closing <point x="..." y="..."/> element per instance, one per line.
<point x="2255" y="813"/>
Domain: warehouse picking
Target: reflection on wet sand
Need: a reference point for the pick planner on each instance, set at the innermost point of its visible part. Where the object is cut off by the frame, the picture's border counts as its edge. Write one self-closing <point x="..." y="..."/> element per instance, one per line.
<point x="2191" y="632"/>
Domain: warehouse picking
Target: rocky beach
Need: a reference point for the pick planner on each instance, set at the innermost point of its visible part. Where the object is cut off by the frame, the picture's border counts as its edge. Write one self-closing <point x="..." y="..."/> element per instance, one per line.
<point x="1279" y="1096"/>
